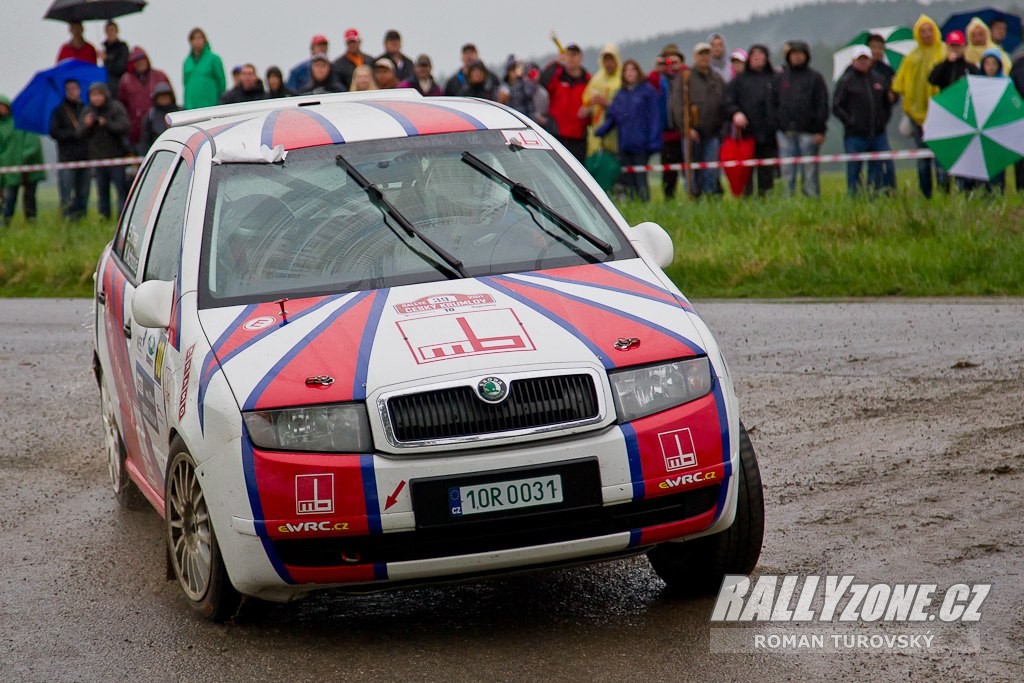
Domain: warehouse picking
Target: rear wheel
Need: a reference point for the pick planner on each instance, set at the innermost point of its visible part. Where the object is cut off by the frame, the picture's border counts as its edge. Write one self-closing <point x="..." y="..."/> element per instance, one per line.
<point x="191" y="542"/>
<point x="698" y="566"/>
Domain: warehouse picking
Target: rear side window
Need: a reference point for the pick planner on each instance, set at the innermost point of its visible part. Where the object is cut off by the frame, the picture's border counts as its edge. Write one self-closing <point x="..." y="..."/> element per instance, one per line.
<point x="143" y="203"/>
<point x="165" y="245"/>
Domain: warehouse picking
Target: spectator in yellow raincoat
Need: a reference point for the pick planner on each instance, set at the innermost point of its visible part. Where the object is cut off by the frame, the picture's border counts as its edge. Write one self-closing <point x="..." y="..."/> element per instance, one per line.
<point x="598" y="96"/>
<point x="979" y="41"/>
<point x="911" y="81"/>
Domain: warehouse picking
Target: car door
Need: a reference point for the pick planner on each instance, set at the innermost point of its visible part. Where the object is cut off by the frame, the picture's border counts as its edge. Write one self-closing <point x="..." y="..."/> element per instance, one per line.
<point x="122" y="346"/>
<point x="162" y="250"/>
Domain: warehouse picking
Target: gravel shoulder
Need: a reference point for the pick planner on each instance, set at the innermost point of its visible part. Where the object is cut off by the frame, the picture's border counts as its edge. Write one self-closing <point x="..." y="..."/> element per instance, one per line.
<point x="891" y="440"/>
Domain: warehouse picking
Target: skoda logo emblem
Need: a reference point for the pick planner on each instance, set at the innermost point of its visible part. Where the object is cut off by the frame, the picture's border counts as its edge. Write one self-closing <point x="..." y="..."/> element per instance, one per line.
<point x="492" y="389"/>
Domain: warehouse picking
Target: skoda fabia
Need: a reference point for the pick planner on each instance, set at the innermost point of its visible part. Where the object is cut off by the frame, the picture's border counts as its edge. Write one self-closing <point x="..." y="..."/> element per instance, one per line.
<point x="372" y="340"/>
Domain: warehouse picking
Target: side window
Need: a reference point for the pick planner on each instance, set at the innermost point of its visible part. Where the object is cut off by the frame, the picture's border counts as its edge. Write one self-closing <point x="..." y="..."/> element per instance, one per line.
<point x="142" y="206"/>
<point x="165" y="245"/>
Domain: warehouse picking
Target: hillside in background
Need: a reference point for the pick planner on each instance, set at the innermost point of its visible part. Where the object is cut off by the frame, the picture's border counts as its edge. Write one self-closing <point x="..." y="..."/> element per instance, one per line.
<point x="826" y="27"/>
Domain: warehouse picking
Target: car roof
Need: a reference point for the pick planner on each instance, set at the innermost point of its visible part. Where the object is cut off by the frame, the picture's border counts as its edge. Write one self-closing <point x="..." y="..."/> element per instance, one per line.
<point x="298" y="122"/>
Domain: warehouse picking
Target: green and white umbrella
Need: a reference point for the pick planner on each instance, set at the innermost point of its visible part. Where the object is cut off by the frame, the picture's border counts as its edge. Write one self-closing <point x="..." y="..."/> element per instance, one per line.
<point x="899" y="41"/>
<point x="975" y="127"/>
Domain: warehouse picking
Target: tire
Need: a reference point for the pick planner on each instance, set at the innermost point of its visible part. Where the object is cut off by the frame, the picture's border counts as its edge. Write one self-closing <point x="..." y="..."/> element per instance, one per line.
<point x="117" y="454"/>
<point x="192" y="547"/>
<point x="698" y="566"/>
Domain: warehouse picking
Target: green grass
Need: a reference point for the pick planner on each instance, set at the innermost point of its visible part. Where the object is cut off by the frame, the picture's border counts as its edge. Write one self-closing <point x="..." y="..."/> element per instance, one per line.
<point x="952" y="245"/>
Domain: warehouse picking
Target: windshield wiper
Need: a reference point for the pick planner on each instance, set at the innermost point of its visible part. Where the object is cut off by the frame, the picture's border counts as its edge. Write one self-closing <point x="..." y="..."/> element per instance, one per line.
<point x="524" y="195"/>
<point x="378" y="199"/>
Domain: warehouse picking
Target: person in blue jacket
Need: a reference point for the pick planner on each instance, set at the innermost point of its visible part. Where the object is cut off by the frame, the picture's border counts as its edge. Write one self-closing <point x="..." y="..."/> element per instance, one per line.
<point x="637" y="116"/>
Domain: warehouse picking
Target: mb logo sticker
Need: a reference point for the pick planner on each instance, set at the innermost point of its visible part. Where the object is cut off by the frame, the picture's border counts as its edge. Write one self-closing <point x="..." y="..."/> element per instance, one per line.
<point x="314" y="494"/>
<point x="677" y="447"/>
<point x="473" y="333"/>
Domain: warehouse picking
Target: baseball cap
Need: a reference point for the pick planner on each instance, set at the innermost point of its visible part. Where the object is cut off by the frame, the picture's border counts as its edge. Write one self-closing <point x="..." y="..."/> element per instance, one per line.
<point x="860" y="51"/>
<point x="701" y="47"/>
<point x="137" y="53"/>
<point x="738" y="54"/>
<point x="573" y="47"/>
<point x="351" y="35"/>
<point x="423" y="60"/>
<point x="317" y="39"/>
<point x="384" y="63"/>
<point x="956" y="38"/>
<point x="392" y="35"/>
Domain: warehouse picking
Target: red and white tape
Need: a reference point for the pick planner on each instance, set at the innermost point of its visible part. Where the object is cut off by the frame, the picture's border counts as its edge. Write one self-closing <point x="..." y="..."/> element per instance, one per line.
<point x="122" y="161"/>
<point x="783" y="161"/>
<point x="650" y="168"/>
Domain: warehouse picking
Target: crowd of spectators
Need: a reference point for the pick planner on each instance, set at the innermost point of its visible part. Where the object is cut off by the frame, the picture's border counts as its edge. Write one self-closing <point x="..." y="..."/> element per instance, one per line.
<point x="678" y="110"/>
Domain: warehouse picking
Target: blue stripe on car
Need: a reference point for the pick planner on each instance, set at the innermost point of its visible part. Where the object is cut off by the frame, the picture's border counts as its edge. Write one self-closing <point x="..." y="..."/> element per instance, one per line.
<point x="636" y="470"/>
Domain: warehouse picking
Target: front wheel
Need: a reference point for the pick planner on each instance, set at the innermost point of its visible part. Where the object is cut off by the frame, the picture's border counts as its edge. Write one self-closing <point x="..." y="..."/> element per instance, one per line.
<point x="191" y="542"/>
<point x="698" y="566"/>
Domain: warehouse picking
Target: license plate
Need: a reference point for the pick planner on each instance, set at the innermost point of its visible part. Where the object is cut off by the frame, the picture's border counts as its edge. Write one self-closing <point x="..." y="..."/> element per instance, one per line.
<point x="505" y="495"/>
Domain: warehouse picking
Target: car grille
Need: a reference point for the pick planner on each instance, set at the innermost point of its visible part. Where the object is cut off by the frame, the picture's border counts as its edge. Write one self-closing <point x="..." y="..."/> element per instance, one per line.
<point x="455" y="412"/>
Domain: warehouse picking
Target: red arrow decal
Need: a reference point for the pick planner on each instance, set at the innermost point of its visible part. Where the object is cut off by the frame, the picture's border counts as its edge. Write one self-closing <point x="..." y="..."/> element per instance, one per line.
<point x="393" y="498"/>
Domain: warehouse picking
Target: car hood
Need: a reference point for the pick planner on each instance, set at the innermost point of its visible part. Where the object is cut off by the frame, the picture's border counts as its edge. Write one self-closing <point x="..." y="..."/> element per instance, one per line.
<point x="347" y="346"/>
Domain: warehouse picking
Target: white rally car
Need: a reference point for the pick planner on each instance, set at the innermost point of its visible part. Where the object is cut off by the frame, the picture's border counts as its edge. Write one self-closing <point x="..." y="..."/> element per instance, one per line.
<point x="372" y="340"/>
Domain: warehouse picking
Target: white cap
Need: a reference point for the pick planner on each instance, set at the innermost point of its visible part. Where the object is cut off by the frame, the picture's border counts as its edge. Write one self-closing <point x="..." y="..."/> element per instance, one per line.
<point x="860" y="51"/>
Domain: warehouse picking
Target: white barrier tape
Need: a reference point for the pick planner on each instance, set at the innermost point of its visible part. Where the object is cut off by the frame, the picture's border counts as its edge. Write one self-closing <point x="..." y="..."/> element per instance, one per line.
<point x="783" y="161"/>
<point x="123" y="161"/>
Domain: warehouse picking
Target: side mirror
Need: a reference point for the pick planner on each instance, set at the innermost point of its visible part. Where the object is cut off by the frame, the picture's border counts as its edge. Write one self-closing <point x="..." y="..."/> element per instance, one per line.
<point x="653" y="240"/>
<point x="152" y="303"/>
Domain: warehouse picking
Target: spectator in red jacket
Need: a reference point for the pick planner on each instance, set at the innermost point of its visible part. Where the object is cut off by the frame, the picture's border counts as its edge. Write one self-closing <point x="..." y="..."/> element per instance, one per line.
<point x="78" y="47"/>
<point x="565" y="80"/>
<point x="135" y="91"/>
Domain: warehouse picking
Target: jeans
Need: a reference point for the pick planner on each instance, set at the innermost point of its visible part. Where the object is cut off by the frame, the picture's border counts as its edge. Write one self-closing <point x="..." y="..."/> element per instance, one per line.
<point x="924" y="167"/>
<point x="635" y="183"/>
<point x="854" y="144"/>
<point x="74" y="192"/>
<point x="11" y="199"/>
<point x="705" y="181"/>
<point x="1018" y="174"/>
<point x="794" y="144"/>
<point x="105" y="177"/>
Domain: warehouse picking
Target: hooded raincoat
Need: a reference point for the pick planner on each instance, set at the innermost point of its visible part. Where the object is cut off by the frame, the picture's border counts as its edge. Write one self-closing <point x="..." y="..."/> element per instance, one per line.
<point x="203" y="78"/>
<point x="911" y="79"/>
<point x="974" y="53"/>
<point x="18" y="147"/>
<point x="606" y="85"/>
<point x="723" y="65"/>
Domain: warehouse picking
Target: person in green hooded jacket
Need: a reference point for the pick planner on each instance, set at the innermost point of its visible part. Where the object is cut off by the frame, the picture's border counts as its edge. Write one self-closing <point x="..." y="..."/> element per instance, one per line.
<point x="203" y="73"/>
<point x="18" y="147"/>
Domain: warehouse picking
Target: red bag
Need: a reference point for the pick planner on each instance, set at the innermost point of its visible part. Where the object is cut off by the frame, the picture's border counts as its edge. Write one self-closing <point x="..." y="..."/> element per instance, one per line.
<point x="737" y="149"/>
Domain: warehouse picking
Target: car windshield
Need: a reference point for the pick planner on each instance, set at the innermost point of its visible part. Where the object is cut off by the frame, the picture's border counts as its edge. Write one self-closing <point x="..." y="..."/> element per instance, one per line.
<point x="306" y="227"/>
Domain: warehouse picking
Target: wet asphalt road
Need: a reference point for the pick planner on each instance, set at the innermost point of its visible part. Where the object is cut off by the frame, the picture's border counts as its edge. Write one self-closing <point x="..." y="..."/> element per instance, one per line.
<point x="83" y="595"/>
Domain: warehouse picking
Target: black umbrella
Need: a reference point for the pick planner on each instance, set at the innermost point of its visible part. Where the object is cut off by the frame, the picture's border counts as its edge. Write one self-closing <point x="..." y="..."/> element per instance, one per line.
<point x="88" y="10"/>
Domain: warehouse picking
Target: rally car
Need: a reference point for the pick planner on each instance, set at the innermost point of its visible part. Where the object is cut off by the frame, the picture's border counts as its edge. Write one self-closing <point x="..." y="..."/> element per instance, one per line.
<point x="372" y="340"/>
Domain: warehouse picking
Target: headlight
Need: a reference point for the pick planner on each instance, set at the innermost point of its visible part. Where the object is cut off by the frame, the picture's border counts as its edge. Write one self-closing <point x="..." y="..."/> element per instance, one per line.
<point x="342" y="428"/>
<point x="644" y="391"/>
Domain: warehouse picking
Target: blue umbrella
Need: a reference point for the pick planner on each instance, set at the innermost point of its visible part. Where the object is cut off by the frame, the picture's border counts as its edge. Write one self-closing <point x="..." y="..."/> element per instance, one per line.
<point x="959" y="21"/>
<point x="37" y="100"/>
